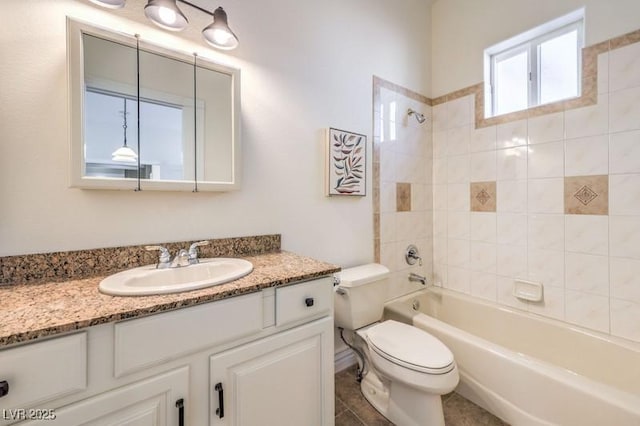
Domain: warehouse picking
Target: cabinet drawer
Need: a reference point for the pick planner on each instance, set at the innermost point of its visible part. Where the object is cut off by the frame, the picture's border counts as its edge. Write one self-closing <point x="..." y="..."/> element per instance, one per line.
<point x="44" y="371"/>
<point x="141" y="343"/>
<point x="300" y="301"/>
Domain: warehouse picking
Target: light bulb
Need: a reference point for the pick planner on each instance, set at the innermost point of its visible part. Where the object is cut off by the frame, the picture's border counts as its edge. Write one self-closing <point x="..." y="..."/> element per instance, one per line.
<point x="218" y="34"/>
<point x="167" y="15"/>
<point x="221" y="36"/>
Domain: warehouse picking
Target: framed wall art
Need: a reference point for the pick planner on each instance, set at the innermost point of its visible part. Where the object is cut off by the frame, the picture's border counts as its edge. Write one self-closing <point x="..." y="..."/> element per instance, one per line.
<point x="346" y="171"/>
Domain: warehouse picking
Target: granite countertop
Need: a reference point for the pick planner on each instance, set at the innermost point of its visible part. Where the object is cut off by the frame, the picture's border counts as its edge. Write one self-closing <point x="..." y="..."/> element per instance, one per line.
<point x="32" y="311"/>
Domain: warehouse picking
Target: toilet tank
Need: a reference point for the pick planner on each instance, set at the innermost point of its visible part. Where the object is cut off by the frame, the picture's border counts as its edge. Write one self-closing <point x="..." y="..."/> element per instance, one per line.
<point x="360" y="296"/>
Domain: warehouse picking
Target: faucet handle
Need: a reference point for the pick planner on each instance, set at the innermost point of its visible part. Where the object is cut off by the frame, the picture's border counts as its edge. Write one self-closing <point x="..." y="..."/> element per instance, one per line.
<point x="412" y="255"/>
<point x="193" y="250"/>
<point x="165" y="258"/>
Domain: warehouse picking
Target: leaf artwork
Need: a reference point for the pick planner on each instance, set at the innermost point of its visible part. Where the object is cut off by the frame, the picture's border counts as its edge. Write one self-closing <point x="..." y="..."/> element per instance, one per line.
<point x="347" y="152"/>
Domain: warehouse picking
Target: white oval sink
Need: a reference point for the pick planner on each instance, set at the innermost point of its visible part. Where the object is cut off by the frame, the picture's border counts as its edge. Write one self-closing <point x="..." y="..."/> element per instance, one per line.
<point x="147" y="280"/>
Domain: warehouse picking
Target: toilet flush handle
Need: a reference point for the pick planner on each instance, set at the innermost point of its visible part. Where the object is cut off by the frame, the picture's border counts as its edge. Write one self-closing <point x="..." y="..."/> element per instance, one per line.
<point x="336" y="286"/>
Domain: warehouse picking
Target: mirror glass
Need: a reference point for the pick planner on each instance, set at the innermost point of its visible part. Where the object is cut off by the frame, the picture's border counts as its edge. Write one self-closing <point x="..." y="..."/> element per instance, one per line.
<point x="176" y="130"/>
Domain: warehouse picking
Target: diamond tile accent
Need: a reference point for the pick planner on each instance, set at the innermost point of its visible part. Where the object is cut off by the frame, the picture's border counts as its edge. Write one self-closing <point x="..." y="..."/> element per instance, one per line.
<point x="483" y="196"/>
<point x="586" y="195"/>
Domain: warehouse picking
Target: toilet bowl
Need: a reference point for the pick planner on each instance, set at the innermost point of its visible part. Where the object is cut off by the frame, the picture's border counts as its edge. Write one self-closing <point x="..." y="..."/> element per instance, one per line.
<point x="406" y="370"/>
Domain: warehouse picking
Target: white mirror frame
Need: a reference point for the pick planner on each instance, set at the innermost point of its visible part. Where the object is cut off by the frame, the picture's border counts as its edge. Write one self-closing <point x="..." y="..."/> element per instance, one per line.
<point x="75" y="61"/>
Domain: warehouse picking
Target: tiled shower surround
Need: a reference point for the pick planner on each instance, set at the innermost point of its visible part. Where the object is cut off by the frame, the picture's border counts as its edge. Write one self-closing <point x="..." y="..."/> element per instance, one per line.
<point x="402" y="187"/>
<point x="565" y="206"/>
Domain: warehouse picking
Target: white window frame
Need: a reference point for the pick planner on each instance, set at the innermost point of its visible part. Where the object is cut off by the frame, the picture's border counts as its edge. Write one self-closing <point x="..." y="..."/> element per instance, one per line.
<point x="530" y="42"/>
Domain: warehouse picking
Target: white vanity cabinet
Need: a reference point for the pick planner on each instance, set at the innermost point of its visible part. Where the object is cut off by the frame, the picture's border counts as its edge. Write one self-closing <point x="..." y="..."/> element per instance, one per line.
<point x="286" y="378"/>
<point x="157" y="401"/>
<point x="271" y="352"/>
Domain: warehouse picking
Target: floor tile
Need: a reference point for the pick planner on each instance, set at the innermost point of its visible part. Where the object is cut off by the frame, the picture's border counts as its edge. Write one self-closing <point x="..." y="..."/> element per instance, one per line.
<point x="347" y="418"/>
<point x="352" y="409"/>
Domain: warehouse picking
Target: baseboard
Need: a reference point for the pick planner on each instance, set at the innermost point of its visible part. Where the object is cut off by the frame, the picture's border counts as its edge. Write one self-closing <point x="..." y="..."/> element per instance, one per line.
<point x="344" y="359"/>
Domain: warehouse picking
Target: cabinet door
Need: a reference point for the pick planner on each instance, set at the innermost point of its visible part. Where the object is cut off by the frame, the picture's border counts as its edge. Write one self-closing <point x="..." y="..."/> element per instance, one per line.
<point x="151" y="402"/>
<point x="282" y="380"/>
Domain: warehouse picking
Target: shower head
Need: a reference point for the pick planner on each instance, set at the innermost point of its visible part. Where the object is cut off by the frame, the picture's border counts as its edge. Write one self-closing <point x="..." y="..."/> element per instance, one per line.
<point x="420" y="118"/>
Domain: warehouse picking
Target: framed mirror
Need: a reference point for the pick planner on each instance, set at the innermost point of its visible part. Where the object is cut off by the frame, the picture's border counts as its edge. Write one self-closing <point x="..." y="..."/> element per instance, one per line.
<point x="146" y="117"/>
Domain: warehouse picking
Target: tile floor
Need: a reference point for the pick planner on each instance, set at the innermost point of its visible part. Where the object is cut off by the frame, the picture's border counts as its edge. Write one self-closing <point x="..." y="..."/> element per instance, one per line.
<point x="353" y="410"/>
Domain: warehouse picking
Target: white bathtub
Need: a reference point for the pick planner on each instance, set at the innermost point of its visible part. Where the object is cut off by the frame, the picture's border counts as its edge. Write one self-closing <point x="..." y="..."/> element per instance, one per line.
<point x="526" y="369"/>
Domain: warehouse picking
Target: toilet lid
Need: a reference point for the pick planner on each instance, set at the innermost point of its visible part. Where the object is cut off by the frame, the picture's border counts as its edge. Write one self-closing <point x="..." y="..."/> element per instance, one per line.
<point x="410" y="347"/>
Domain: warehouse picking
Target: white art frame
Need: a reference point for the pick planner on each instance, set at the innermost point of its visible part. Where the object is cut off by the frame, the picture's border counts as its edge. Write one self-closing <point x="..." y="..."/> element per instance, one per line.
<point x="346" y="163"/>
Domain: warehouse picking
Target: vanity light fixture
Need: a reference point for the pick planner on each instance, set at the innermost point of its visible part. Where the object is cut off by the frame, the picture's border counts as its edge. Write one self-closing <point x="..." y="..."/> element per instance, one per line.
<point x="124" y="154"/>
<point x="218" y="34"/>
<point x="111" y="4"/>
<point x="167" y="15"/>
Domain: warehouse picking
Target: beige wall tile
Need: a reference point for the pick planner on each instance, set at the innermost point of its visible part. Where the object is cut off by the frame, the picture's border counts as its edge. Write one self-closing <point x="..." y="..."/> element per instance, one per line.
<point x="483" y="196"/>
<point x="403" y="197"/>
<point x="586" y="195"/>
<point x="624" y="319"/>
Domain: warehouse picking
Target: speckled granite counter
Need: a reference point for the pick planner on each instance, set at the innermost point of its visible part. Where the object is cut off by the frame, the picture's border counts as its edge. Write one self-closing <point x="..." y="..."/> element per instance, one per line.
<point x="38" y="310"/>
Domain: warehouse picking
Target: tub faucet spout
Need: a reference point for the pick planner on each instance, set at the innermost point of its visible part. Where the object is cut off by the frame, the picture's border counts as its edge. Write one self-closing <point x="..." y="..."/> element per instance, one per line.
<point x="419" y="278"/>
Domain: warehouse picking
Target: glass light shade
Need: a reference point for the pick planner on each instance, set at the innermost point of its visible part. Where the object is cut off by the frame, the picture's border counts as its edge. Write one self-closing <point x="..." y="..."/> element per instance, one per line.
<point x="124" y="154"/>
<point x="165" y="14"/>
<point x="218" y="34"/>
<point x="111" y="4"/>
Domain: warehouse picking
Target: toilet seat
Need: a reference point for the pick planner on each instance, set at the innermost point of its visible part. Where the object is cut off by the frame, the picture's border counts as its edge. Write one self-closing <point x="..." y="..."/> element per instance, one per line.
<point x="410" y="347"/>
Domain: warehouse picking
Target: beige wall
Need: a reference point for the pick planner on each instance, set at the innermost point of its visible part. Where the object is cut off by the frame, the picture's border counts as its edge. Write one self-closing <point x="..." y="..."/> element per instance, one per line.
<point x="462" y="29"/>
<point x="305" y="66"/>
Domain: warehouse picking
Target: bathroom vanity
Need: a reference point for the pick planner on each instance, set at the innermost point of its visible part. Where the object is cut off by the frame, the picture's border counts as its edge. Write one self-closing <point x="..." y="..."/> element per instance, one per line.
<point x="261" y="356"/>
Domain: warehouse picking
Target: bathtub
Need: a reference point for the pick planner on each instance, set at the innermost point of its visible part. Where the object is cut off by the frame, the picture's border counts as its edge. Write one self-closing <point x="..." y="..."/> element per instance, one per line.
<point x="527" y="369"/>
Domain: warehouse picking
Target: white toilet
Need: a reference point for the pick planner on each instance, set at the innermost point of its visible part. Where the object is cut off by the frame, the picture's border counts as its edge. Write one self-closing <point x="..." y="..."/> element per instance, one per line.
<point x="406" y="369"/>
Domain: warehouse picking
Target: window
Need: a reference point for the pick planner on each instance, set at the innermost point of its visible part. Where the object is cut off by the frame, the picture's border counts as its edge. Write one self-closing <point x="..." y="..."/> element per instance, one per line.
<point x="535" y="68"/>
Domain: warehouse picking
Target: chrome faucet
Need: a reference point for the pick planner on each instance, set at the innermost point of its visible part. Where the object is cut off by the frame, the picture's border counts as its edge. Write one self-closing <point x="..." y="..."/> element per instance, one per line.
<point x="412" y="255"/>
<point x="193" y="251"/>
<point x="419" y="278"/>
<point x="182" y="258"/>
<point x="164" y="261"/>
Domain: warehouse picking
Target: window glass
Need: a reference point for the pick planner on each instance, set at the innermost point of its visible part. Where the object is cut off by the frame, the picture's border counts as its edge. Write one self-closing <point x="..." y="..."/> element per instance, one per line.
<point x="511" y="83"/>
<point x="559" y="68"/>
<point x="537" y="67"/>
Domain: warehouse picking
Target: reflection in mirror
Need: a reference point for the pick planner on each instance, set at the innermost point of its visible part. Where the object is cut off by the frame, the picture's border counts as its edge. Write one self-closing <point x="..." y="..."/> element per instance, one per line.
<point x="106" y="156"/>
<point x="188" y="124"/>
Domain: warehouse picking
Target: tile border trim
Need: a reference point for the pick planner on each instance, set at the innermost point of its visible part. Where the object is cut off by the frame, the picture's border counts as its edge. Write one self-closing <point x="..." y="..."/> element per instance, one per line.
<point x="589" y="95"/>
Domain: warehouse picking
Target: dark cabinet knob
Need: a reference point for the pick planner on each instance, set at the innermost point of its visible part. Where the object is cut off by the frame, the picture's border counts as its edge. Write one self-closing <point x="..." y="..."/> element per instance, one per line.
<point x="4" y="388"/>
<point x="309" y="301"/>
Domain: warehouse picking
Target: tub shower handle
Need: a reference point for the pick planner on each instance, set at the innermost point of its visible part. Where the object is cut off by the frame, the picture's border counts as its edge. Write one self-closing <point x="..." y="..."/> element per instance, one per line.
<point x="412" y="255"/>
